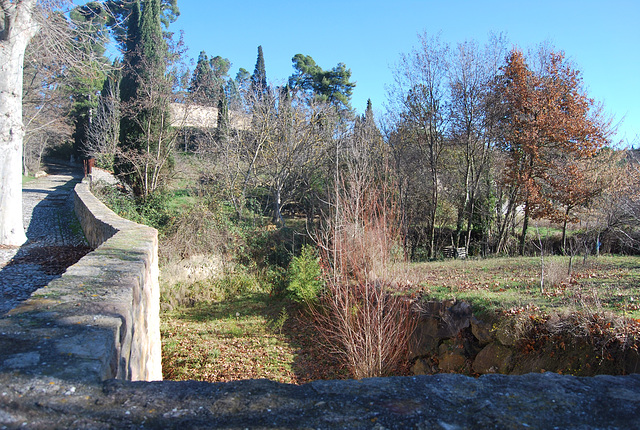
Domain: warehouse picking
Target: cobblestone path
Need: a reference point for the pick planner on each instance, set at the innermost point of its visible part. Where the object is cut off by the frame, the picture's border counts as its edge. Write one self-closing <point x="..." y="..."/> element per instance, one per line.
<point x="55" y="239"/>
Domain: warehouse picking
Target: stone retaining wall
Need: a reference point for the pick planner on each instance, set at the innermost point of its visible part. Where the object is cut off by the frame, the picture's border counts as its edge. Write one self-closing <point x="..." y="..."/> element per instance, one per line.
<point x="100" y="320"/>
<point x="450" y="338"/>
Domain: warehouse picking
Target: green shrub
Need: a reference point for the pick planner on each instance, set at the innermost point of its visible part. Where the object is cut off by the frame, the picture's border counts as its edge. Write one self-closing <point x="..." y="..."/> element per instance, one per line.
<point x="305" y="276"/>
<point x="152" y="211"/>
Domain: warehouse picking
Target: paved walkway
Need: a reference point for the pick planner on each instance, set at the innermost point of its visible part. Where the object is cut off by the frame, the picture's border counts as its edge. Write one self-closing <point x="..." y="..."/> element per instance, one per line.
<point x="55" y="239"/>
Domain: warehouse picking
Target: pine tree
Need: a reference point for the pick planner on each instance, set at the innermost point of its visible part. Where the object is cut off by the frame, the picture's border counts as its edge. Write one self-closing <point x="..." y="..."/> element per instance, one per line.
<point x="259" y="77"/>
<point x="331" y="86"/>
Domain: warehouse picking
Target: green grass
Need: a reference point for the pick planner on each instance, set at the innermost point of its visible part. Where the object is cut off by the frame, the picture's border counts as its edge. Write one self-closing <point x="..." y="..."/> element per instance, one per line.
<point x="606" y="283"/>
<point x="247" y="337"/>
<point x="181" y="200"/>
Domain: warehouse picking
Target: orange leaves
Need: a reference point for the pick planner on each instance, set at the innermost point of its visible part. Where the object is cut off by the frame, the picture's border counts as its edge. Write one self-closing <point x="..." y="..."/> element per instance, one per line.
<point x="547" y="125"/>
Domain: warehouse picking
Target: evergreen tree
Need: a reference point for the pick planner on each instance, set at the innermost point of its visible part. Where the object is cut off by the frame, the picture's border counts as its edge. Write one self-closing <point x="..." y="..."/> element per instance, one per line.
<point x="332" y="86"/>
<point x="223" y="116"/>
<point x="131" y="64"/>
<point x="143" y="91"/>
<point x="236" y="88"/>
<point x="90" y="39"/>
<point x="202" y="87"/>
<point x="220" y="67"/>
<point x="243" y="77"/>
<point x="368" y="113"/>
<point x="259" y="77"/>
<point x="121" y="11"/>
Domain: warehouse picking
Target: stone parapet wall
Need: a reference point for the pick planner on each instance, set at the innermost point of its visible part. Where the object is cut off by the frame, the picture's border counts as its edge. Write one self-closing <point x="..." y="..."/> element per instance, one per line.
<point x="100" y="320"/>
<point x="439" y="402"/>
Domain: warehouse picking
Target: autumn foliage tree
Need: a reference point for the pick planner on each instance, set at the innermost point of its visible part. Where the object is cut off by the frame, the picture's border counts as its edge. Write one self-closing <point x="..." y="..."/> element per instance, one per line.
<point x="547" y="122"/>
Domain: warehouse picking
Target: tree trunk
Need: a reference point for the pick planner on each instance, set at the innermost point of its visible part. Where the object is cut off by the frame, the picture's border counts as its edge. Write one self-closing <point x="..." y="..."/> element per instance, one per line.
<point x="504" y="226"/>
<point x="277" y="206"/>
<point x="564" y="231"/>
<point x="432" y="219"/>
<point x="525" y="226"/>
<point x="18" y="30"/>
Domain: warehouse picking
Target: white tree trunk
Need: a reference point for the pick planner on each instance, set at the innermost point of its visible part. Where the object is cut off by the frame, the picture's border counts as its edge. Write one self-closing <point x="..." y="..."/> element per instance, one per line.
<point x="19" y="28"/>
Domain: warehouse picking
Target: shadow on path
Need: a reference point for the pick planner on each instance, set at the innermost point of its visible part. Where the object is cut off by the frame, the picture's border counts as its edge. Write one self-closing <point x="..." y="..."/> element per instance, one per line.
<point x="55" y="238"/>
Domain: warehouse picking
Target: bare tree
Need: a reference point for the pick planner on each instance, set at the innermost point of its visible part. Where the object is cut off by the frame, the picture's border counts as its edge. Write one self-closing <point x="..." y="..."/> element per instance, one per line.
<point x="419" y="102"/>
<point x="104" y="131"/>
<point x="288" y="132"/>
<point x="361" y="320"/>
<point x="471" y="73"/>
<point x="45" y="105"/>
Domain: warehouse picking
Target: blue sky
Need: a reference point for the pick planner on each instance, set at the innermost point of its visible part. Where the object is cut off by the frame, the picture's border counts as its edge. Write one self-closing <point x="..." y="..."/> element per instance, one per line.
<point x="601" y="37"/>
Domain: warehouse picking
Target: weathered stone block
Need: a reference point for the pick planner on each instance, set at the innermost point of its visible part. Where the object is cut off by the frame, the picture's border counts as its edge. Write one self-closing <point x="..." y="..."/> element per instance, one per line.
<point x="494" y="358"/>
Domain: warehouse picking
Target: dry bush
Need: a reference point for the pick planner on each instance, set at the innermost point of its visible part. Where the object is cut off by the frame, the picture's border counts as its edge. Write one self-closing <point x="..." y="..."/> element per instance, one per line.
<point x="359" y="317"/>
<point x="366" y="327"/>
<point x="608" y="333"/>
<point x="194" y="268"/>
<point x="201" y="230"/>
<point x="361" y="242"/>
<point x="555" y="273"/>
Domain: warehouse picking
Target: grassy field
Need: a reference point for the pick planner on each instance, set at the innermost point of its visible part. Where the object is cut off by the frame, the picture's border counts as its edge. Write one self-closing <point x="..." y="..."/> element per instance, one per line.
<point x="602" y="284"/>
<point x="256" y="336"/>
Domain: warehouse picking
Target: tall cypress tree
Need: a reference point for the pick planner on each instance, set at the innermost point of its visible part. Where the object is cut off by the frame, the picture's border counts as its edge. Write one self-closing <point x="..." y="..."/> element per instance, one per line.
<point x="259" y="77"/>
<point x="223" y="116"/>
<point x="128" y="84"/>
<point x="202" y="86"/>
<point x="142" y="86"/>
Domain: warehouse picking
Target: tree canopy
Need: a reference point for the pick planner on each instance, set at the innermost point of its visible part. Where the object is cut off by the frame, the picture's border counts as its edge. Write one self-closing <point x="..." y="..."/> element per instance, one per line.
<point x="332" y="86"/>
<point x="546" y="121"/>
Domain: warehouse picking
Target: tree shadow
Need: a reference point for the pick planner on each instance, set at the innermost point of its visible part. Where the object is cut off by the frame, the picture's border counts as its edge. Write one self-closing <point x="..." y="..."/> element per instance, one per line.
<point x="55" y="239"/>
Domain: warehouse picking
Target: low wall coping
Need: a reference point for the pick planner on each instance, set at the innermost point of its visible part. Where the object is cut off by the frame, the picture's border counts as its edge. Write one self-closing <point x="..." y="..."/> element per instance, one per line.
<point x="100" y="319"/>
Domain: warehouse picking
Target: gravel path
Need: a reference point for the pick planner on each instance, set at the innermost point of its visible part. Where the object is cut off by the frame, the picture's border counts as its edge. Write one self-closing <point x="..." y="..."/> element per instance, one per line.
<point x="55" y="239"/>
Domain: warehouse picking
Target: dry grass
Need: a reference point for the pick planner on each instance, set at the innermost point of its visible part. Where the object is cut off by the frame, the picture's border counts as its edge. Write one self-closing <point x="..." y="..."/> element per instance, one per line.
<point x="243" y="338"/>
<point x="607" y="283"/>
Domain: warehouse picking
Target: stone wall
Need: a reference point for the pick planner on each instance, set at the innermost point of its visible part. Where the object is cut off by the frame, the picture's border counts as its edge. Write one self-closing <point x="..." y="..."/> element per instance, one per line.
<point x="61" y="348"/>
<point x="450" y="338"/>
<point x="100" y="320"/>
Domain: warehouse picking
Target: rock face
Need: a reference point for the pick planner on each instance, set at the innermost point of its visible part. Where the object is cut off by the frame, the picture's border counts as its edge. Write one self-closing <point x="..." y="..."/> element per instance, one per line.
<point x="539" y="401"/>
<point x="449" y="338"/>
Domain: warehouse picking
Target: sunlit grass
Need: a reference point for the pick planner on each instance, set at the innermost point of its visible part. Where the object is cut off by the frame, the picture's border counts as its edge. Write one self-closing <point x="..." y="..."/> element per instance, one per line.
<point x="605" y="283"/>
<point x="225" y="341"/>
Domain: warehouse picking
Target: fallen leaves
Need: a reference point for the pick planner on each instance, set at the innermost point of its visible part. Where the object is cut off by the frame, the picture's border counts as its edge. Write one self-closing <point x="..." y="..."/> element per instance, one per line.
<point x="245" y="346"/>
